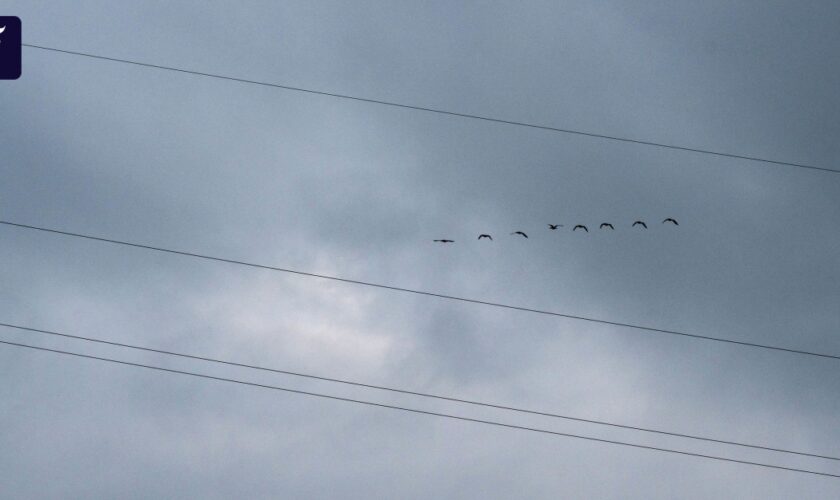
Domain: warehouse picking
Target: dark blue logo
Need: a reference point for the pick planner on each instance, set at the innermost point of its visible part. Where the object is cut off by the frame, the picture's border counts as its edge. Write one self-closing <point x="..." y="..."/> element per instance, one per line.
<point x="9" y="48"/>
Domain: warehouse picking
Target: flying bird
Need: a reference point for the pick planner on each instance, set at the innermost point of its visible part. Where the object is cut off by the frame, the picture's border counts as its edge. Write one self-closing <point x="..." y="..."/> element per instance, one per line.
<point x="580" y="226"/>
<point x="638" y="222"/>
<point x="671" y="220"/>
<point x="607" y="224"/>
<point x="445" y="241"/>
<point x="520" y="233"/>
<point x="554" y="226"/>
<point x="485" y="236"/>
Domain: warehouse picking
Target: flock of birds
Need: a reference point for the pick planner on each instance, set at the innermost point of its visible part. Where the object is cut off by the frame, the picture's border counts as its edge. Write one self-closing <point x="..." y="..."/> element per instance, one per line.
<point x="554" y="227"/>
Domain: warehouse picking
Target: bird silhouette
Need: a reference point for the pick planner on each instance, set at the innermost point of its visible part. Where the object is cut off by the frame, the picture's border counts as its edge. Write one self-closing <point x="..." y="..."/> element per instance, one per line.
<point x="580" y="226"/>
<point x="671" y="220"/>
<point x="607" y="224"/>
<point x="485" y="236"/>
<point x="520" y="233"/>
<point x="638" y="222"/>
<point x="554" y="226"/>
<point x="445" y="241"/>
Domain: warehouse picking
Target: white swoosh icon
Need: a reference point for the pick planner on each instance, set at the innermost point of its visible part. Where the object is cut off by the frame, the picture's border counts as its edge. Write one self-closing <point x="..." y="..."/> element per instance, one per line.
<point x="2" y="29"/>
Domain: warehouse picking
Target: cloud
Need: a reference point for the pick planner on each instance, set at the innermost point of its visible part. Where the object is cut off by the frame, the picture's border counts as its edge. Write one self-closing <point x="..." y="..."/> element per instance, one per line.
<point x="358" y="191"/>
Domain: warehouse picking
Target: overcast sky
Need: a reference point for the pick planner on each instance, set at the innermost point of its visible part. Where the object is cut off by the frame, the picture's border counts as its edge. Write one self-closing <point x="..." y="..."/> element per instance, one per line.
<point x="359" y="191"/>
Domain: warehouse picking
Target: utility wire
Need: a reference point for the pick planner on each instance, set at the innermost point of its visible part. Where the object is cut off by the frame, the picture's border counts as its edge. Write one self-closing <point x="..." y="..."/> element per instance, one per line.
<point x="422" y="412"/>
<point x="438" y="111"/>
<point x="424" y="293"/>
<point x="414" y="393"/>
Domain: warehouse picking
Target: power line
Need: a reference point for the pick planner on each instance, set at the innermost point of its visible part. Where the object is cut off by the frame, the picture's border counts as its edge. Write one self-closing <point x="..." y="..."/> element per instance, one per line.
<point x="437" y="111"/>
<point x="422" y="412"/>
<point x="424" y="293"/>
<point x="413" y="393"/>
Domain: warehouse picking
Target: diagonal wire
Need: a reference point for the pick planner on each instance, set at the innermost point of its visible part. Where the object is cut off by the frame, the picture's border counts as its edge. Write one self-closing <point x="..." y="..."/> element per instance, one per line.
<point x="413" y="393"/>
<point x="428" y="294"/>
<point x="423" y="412"/>
<point x="438" y="111"/>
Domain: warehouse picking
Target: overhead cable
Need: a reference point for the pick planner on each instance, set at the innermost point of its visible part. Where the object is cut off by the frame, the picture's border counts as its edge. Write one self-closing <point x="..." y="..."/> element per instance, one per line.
<point x="424" y="412"/>
<point x="437" y="111"/>
<point x="415" y="393"/>
<point x="429" y="294"/>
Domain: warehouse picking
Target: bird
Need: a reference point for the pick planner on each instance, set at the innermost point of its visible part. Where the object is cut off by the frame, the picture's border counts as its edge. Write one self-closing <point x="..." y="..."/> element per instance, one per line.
<point x="554" y="226"/>
<point x="485" y="236"/>
<point x="580" y="226"/>
<point x="520" y="233"/>
<point x="607" y="224"/>
<point x="445" y="241"/>
<point x="671" y="220"/>
<point x="638" y="222"/>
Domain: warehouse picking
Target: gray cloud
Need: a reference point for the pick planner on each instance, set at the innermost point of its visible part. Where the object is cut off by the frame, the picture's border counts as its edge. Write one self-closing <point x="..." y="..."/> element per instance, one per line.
<point x="359" y="191"/>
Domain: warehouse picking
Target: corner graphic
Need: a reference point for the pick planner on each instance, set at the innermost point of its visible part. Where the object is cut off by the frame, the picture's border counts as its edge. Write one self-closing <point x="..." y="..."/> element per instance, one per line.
<point x="10" y="49"/>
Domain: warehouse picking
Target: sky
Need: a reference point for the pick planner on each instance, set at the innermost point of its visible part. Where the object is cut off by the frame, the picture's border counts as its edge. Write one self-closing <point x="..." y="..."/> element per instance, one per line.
<point x="359" y="191"/>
